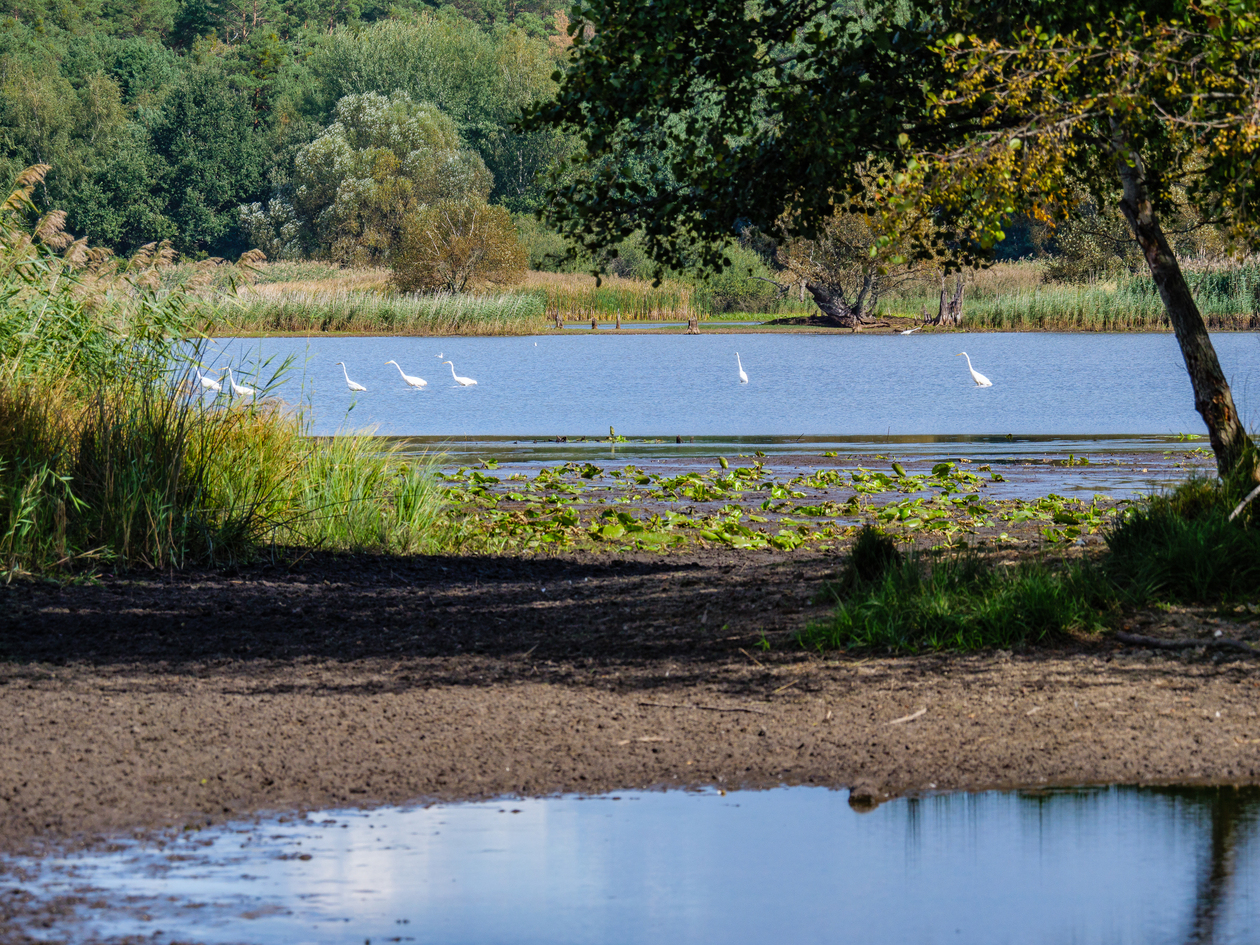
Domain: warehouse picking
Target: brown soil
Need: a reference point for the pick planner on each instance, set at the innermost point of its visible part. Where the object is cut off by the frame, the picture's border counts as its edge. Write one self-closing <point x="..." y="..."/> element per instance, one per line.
<point x="156" y="699"/>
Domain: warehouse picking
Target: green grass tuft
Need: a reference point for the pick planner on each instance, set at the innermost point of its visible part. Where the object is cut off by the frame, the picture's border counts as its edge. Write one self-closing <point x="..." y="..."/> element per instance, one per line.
<point x="1181" y="546"/>
<point x="961" y="602"/>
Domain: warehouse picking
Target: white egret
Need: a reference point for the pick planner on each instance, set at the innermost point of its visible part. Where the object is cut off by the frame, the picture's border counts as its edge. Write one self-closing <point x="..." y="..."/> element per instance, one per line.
<point x="349" y="383"/>
<point x="461" y="381"/>
<point x="411" y="381"/>
<point x="911" y="331"/>
<point x="980" y="379"/>
<point x="240" y="390"/>
<point x="209" y="383"/>
<point x="743" y="378"/>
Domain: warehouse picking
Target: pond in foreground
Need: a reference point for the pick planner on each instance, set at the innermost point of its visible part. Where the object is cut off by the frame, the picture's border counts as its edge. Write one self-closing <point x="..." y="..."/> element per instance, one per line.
<point x="1107" y="865"/>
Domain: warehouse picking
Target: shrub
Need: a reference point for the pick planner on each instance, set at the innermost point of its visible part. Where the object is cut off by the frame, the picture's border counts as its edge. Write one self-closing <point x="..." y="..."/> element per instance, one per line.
<point x="546" y="250"/>
<point x="453" y="244"/>
<point x="743" y="287"/>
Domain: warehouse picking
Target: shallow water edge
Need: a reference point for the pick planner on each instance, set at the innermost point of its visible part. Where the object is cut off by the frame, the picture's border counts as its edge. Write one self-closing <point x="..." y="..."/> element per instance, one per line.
<point x="806" y="864"/>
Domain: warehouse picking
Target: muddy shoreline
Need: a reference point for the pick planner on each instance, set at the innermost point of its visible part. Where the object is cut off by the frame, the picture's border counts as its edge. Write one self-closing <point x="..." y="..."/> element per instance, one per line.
<point x="165" y="699"/>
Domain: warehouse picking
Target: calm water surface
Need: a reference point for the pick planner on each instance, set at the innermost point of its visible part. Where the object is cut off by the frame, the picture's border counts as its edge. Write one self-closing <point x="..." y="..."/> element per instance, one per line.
<point x="798" y="865"/>
<point x="686" y="385"/>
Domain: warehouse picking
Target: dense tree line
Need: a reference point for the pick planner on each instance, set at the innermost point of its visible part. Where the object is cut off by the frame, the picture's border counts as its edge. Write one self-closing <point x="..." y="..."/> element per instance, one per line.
<point x="163" y="119"/>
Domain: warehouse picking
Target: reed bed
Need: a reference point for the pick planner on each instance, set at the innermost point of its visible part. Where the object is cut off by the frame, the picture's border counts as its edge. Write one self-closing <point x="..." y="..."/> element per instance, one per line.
<point x="110" y="455"/>
<point x="141" y="474"/>
<point x="576" y="296"/>
<point x="284" y="307"/>
<point x="1012" y="297"/>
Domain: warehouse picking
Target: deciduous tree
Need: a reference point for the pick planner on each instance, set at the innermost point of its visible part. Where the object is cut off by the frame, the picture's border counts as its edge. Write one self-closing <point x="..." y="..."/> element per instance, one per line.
<point x="746" y="112"/>
<point x="381" y="160"/>
<point x="455" y="244"/>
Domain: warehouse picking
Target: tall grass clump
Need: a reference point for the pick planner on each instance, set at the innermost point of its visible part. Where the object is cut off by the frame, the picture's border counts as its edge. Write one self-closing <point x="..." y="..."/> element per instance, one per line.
<point x="1182" y="546"/>
<point x="108" y="455"/>
<point x="576" y="296"/>
<point x="272" y="308"/>
<point x="356" y="495"/>
<point x="1229" y="299"/>
<point x="917" y="602"/>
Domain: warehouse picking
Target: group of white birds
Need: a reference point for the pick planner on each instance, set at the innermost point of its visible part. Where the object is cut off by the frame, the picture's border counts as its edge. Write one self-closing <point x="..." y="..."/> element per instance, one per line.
<point x="240" y="390"/>
<point x="408" y="379"/>
<point x="411" y="381"/>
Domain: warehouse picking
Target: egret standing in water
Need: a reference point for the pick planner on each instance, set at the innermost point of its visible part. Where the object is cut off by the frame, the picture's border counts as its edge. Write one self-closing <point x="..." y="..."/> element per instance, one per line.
<point x="240" y="390"/>
<point x="980" y="379"/>
<point x="461" y="381"/>
<point x="209" y="383"/>
<point x="743" y="378"/>
<point x="411" y="381"/>
<point x="349" y="383"/>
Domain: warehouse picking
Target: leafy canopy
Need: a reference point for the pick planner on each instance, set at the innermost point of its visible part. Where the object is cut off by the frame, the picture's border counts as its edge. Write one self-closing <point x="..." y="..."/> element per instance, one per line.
<point x="380" y="160"/>
<point x="972" y="111"/>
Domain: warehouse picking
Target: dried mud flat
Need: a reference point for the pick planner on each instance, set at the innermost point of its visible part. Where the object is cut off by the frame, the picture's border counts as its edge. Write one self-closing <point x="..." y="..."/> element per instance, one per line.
<point x="153" y="700"/>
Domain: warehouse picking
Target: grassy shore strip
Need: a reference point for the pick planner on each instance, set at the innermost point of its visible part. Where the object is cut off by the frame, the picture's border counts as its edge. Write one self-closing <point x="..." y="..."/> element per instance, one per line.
<point x="1012" y="297"/>
<point x="305" y="297"/>
<point x="963" y="585"/>
<point x="1177" y="548"/>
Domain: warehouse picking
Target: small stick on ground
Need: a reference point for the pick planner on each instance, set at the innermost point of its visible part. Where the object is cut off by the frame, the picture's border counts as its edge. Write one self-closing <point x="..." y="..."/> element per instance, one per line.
<point x="753" y="658"/>
<point x="1243" y="504"/>
<point x="706" y="708"/>
<point x="909" y="718"/>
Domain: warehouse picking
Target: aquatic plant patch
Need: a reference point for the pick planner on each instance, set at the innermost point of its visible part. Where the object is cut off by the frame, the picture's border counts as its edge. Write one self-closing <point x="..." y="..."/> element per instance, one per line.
<point x="749" y="507"/>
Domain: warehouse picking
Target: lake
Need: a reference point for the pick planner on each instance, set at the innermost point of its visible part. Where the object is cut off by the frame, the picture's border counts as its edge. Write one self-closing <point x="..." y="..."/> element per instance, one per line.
<point x="799" y="865"/>
<point x="670" y="385"/>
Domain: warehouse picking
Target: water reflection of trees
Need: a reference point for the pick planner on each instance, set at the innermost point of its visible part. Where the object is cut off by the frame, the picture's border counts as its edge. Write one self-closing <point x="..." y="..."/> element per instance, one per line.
<point x="1232" y="814"/>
